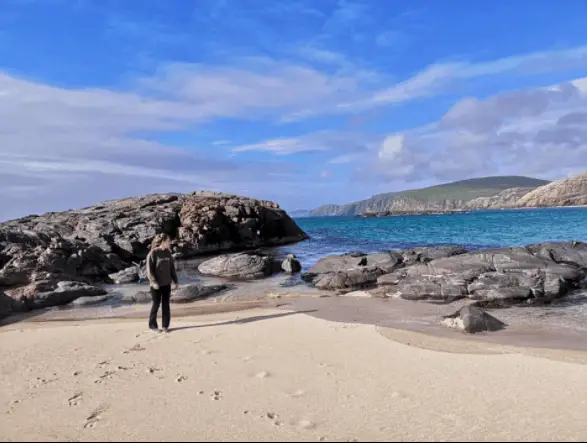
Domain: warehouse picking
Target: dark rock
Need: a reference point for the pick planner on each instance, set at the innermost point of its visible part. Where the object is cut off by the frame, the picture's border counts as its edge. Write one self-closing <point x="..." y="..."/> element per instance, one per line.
<point x="357" y="278"/>
<point x="190" y="293"/>
<point x="5" y="305"/>
<point x="291" y="265"/>
<point x="91" y="301"/>
<point x="443" y="288"/>
<point x="472" y="320"/>
<point x="426" y="254"/>
<point x="387" y="261"/>
<point x="44" y="294"/>
<point x="91" y="244"/>
<point x="243" y="266"/>
<point x="128" y="275"/>
<point x="494" y="277"/>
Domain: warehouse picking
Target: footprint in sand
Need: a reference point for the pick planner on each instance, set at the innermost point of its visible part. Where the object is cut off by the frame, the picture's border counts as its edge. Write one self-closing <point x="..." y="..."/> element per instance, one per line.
<point x="94" y="418"/>
<point x="103" y="364"/>
<point x="106" y="376"/>
<point x="263" y="375"/>
<point x="304" y="424"/>
<point x="76" y="399"/>
<point x="297" y="394"/>
<point x="274" y="418"/>
<point x="135" y="348"/>
<point x="216" y="395"/>
<point x="181" y="379"/>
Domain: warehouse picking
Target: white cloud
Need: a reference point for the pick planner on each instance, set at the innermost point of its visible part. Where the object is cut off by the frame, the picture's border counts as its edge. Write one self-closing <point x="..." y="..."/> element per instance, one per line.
<point x="539" y="132"/>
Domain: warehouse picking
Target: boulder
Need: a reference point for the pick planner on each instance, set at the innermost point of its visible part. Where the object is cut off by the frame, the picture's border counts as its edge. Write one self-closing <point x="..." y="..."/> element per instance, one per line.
<point x="387" y="261"/>
<point x="473" y="320"/>
<point x="44" y="294"/>
<point x="357" y="278"/>
<point x="242" y="266"/>
<point x="190" y="293"/>
<point x="91" y="301"/>
<point x="185" y="294"/>
<point x="128" y="275"/>
<point x="291" y="265"/>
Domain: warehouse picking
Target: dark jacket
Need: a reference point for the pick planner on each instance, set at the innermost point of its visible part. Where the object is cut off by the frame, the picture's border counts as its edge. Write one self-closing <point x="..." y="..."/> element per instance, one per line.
<point x="161" y="268"/>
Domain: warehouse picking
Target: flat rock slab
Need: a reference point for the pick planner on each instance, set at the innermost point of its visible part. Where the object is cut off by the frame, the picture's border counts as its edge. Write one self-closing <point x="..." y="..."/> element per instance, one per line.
<point x="243" y="266"/>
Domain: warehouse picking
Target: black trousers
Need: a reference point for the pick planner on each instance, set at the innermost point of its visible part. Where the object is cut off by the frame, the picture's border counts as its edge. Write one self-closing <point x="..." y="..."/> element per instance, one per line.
<point x="160" y="296"/>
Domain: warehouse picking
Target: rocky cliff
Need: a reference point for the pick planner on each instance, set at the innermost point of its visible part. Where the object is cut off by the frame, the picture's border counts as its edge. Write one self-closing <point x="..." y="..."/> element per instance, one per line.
<point x="482" y="193"/>
<point x="569" y="192"/>
<point x="88" y="245"/>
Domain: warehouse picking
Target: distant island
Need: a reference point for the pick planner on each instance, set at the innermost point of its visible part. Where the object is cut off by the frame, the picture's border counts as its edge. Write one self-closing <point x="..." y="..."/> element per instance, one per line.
<point x="501" y="192"/>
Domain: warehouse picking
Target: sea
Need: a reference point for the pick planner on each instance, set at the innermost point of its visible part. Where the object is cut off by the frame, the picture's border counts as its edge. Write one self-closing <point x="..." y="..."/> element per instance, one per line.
<point x="474" y="230"/>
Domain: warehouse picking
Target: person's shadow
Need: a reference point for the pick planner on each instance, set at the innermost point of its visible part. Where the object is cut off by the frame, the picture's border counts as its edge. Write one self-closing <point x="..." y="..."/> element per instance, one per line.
<point x="243" y="321"/>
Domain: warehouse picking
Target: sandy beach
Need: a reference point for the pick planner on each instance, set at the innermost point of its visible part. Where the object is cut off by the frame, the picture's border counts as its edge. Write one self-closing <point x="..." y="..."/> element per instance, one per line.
<point x="275" y="375"/>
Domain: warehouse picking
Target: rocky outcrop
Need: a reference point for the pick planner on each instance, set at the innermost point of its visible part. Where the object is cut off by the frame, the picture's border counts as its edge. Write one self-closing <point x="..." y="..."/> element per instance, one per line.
<point x="569" y="192"/>
<point x="499" y="277"/>
<point x="104" y="243"/>
<point x="504" y="200"/>
<point x="241" y="266"/>
<point x="357" y="270"/>
<point x="44" y="294"/>
<point x="190" y="293"/>
<point x="473" y="320"/>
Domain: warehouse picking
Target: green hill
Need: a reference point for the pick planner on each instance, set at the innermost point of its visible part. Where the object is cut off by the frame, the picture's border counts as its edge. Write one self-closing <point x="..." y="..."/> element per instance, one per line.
<point x="447" y="196"/>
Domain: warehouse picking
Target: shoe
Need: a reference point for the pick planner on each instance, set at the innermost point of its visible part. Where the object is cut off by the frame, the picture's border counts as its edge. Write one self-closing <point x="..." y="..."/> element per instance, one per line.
<point x="166" y="330"/>
<point x="155" y="330"/>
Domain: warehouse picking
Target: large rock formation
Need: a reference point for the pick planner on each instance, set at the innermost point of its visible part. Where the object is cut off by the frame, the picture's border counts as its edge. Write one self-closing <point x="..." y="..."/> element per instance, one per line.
<point x="569" y="192"/>
<point x="95" y="244"/>
<point x="356" y="270"/>
<point x="497" y="277"/>
<point x="504" y="200"/>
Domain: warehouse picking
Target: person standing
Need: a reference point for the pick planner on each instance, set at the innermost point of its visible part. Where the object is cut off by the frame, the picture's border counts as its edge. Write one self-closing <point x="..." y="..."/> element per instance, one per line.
<point x="161" y="274"/>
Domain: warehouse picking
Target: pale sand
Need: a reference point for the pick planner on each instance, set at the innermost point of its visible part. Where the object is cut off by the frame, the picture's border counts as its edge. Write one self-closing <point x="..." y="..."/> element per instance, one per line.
<point x="275" y="376"/>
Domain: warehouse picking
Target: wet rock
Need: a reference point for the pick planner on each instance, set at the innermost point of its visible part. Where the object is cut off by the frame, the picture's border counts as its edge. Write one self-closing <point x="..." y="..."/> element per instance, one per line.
<point x="291" y="265"/>
<point x="473" y="320"/>
<point x="44" y="294"/>
<point x="357" y="278"/>
<point x="442" y="289"/>
<point x="190" y="293"/>
<point x="139" y="297"/>
<point x="386" y="261"/>
<point x="91" y="301"/>
<point x="128" y="275"/>
<point x="242" y="266"/>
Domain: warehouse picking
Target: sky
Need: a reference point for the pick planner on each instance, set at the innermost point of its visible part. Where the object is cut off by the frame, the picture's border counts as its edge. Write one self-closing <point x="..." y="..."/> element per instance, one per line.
<point x="302" y="102"/>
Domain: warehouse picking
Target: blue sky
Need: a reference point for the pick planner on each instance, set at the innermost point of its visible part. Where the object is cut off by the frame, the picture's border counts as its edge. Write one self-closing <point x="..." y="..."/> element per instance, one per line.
<point x="302" y="102"/>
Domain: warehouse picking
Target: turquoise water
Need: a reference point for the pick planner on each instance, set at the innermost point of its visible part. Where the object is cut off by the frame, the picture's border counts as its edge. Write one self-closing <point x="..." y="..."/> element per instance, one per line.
<point x="477" y="230"/>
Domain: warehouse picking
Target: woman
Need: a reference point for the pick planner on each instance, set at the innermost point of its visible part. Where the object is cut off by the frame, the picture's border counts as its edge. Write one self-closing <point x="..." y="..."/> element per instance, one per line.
<point x="161" y="273"/>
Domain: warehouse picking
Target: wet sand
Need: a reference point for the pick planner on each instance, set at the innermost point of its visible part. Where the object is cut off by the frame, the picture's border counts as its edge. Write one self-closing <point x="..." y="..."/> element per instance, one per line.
<point x="279" y="375"/>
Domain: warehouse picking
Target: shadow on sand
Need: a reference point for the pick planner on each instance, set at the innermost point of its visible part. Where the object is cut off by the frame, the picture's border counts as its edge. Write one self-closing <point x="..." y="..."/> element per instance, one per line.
<point x="244" y="320"/>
